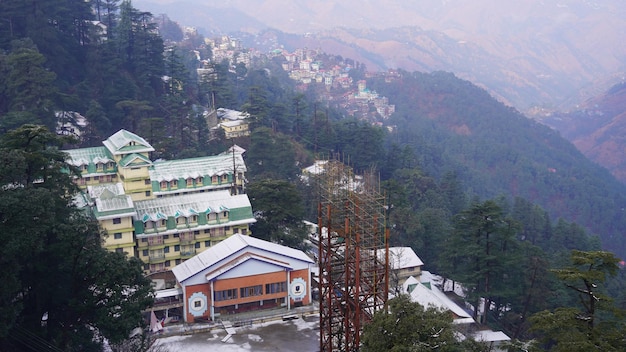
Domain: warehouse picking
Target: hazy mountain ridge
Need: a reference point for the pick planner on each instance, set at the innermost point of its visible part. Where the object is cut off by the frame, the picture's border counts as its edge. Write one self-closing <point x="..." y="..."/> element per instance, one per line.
<point x="598" y="129"/>
<point x="528" y="53"/>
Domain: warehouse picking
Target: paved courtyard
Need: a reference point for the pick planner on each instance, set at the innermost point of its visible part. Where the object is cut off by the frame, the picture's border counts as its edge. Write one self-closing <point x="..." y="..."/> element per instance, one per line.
<point x="301" y="335"/>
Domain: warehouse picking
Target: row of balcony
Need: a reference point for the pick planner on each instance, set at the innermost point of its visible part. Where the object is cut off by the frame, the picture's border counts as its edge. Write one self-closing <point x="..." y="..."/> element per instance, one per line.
<point x="185" y="225"/>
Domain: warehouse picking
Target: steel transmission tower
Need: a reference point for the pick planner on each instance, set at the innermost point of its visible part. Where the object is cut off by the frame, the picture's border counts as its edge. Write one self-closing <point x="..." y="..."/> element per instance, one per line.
<point x="353" y="255"/>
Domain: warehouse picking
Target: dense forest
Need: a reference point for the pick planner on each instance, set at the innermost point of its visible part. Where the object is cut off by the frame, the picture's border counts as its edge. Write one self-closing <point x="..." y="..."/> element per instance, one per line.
<point x="481" y="193"/>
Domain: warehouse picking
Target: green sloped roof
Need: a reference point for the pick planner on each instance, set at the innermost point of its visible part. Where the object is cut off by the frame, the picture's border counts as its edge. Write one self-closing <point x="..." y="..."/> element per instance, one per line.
<point x="185" y="205"/>
<point x="124" y="142"/>
<point x="86" y="156"/>
<point x="195" y="167"/>
<point x="134" y="159"/>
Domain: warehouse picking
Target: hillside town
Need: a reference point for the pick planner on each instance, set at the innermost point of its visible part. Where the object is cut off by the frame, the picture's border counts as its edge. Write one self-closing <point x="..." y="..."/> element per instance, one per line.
<point x="309" y="67"/>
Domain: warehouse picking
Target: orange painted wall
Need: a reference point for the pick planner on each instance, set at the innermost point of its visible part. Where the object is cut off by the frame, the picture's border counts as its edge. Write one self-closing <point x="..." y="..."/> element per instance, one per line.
<point x="190" y="290"/>
<point x="246" y="281"/>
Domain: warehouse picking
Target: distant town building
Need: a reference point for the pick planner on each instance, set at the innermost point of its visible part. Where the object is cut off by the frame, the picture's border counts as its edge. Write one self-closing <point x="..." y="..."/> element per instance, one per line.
<point x="234" y="123"/>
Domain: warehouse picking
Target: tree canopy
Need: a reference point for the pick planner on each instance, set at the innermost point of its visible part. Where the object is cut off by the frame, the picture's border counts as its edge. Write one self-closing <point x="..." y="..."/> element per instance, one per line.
<point x="596" y="324"/>
<point x="408" y="326"/>
<point x="63" y="289"/>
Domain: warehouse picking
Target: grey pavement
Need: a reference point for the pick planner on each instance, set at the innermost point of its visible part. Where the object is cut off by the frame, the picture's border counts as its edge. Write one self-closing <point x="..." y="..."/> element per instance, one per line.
<point x="253" y="331"/>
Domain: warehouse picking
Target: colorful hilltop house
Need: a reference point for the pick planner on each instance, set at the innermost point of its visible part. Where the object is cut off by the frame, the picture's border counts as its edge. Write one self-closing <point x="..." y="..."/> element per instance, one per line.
<point x="162" y="212"/>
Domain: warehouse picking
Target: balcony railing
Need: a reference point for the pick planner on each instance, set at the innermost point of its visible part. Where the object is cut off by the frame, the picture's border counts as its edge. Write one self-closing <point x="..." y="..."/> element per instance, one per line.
<point x="157" y="256"/>
<point x="155" y="241"/>
<point x="187" y="253"/>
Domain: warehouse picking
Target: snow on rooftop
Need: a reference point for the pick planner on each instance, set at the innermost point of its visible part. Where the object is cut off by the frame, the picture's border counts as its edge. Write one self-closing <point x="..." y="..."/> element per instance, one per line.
<point x="432" y="296"/>
<point x="226" y="248"/>
<point x="195" y="167"/>
<point x="186" y="204"/>
<point x="490" y="336"/>
<point x="85" y="156"/>
<point x="403" y="257"/>
<point x="231" y="115"/>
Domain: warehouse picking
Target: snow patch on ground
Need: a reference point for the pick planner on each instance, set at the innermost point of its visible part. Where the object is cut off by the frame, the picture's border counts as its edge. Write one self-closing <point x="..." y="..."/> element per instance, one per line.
<point x="255" y="338"/>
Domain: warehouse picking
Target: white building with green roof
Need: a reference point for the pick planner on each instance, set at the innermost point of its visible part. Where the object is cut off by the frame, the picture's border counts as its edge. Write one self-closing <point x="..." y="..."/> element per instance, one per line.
<point x="165" y="211"/>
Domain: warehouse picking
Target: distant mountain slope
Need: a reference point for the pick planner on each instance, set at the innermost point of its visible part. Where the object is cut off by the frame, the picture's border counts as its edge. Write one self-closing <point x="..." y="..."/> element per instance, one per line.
<point x="598" y="129"/>
<point x="454" y="125"/>
<point x="527" y="53"/>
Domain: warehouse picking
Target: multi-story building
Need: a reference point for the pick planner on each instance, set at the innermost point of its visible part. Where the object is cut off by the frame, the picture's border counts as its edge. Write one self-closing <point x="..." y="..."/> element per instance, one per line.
<point x="162" y="212"/>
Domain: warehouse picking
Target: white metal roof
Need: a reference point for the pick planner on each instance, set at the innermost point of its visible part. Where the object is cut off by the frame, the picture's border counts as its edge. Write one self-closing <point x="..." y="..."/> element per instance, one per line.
<point x="186" y="204"/>
<point x="231" y="115"/>
<point x="433" y="297"/>
<point x="227" y="248"/>
<point x="195" y="167"/>
<point x="403" y="257"/>
<point x="86" y="156"/>
<point x="124" y="142"/>
<point x="490" y="336"/>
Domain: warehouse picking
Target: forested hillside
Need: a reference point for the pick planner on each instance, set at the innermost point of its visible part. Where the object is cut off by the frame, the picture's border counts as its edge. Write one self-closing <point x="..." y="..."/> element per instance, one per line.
<point x="453" y="125"/>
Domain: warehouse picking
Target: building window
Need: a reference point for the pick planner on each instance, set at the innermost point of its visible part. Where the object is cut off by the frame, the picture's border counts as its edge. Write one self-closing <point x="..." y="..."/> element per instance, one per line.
<point x="147" y="193"/>
<point x="99" y="166"/>
<point x="207" y="231"/>
<point x="117" y="221"/>
<point x="119" y="250"/>
<point x="176" y="235"/>
<point x="178" y="261"/>
<point x="244" y="232"/>
<point x="163" y="185"/>
<point x="199" y="181"/>
<point x="251" y="291"/>
<point x="167" y="263"/>
<point x="190" y="182"/>
<point x="165" y="237"/>
<point x="225" y="295"/>
<point x="174" y="183"/>
<point x="166" y="249"/>
<point x="177" y="248"/>
<point x="144" y="240"/>
<point x="276" y="287"/>
<point x="96" y="178"/>
<point x="110" y="165"/>
<point x="117" y="235"/>
<point x="144" y="252"/>
<point x="207" y="243"/>
<point x="163" y="223"/>
<point x="197" y="232"/>
<point x="194" y="218"/>
<point x="146" y="182"/>
<point x="197" y="245"/>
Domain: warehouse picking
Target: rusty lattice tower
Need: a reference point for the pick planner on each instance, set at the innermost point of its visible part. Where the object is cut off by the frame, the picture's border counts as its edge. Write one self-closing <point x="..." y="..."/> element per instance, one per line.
<point x="353" y="255"/>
